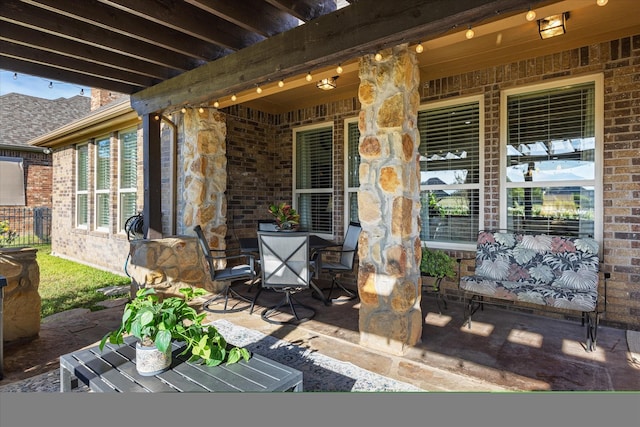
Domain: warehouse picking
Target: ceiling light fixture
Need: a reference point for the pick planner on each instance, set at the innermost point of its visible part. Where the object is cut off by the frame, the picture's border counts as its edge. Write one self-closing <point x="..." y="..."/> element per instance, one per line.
<point x="328" y="83"/>
<point x="419" y="48"/>
<point x="554" y="25"/>
<point x="470" y="33"/>
<point x="531" y="15"/>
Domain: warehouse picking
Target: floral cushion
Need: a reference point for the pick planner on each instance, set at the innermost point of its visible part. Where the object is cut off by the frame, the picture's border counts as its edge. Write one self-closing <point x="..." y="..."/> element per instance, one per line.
<point x="548" y="270"/>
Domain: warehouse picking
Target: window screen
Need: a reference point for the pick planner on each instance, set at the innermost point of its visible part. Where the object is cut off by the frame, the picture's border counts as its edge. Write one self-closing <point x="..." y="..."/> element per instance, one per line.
<point x="82" y="185"/>
<point x="103" y="181"/>
<point x="128" y="176"/>
<point x="352" y="172"/>
<point x="12" y="190"/>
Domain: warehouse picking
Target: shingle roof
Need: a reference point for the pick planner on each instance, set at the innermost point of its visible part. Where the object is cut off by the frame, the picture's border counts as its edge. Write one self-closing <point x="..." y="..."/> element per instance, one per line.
<point x="23" y="117"/>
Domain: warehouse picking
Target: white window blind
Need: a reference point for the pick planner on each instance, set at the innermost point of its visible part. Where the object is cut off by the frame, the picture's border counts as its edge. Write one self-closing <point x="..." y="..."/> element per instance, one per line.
<point x="313" y="187"/>
<point x="103" y="182"/>
<point x="450" y="170"/>
<point x="550" y="160"/>
<point x="82" y="185"/>
<point x="352" y="171"/>
<point x="128" y="170"/>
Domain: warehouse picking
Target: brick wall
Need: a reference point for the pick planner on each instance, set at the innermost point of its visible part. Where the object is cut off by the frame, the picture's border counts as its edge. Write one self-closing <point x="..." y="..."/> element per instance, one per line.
<point x="618" y="60"/>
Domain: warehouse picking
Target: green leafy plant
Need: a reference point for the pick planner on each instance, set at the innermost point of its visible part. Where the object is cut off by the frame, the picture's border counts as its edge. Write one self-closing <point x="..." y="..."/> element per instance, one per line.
<point x="284" y="213"/>
<point x="7" y="235"/>
<point x="437" y="263"/>
<point x="158" y="322"/>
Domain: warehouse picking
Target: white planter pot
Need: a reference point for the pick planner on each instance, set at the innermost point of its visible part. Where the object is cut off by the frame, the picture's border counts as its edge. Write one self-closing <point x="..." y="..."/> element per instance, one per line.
<point x="151" y="361"/>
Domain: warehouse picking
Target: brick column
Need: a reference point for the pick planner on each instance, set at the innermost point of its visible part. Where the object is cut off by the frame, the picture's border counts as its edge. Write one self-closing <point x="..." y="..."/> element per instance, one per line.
<point x="389" y="202"/>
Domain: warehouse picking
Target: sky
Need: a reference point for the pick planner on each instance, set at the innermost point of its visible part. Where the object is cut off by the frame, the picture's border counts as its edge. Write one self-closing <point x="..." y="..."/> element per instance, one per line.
<point x="38" y="86"/>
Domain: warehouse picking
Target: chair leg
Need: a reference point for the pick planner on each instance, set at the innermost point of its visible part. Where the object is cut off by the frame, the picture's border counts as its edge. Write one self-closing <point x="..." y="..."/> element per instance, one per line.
<point x="289" y="301"/>
<point x="206" y="306"/>
<point x="351" y="295"/>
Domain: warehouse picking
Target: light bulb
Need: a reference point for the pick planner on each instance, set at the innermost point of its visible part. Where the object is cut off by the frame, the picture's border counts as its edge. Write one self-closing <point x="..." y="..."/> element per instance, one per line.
<point x="200" y="110"/>
<point x="281" y="83"/>
<point x="339" y="69"/>
<point x="470" y="33"/>
<point x="216" y="104"/>
<point x="419" y="48"/>
<point x="156" y="117"/>
<point x="531" y="15"/>
<point x="50" y="85"/>
<point x="601" y="2"/>
<point x="183" y="110"/>
<point x="15" y="76"/>
<point x="234" y="97"/>
<point x="82" y="92"/>
<point x="309" y="77"/>
<point x="259" y="89"/>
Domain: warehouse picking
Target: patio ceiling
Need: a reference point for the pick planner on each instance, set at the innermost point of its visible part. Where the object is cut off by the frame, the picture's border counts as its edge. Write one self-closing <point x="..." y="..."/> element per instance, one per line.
<point x="168" y="53"/>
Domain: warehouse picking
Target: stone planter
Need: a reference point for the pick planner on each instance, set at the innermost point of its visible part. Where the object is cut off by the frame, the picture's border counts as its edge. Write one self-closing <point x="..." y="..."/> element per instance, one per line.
<point x="21" y="311"/>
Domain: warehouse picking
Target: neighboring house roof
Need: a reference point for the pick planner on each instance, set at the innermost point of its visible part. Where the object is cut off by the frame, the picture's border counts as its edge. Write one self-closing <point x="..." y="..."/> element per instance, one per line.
<point x="113" y="116"/>
<point x="23" y="117"/>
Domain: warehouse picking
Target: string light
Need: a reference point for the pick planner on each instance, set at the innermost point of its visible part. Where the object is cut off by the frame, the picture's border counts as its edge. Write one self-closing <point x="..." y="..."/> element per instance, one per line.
<point x="339" y="69"/>
<point x="258" y="89"/>
<point x="378" y="57"/>
<point x="50" y="85"/>
<point x="281" y="83"/>
<point x="15" y="76"/>
<point x="183" y="110"/>
<point x="81" y="92"/>
<point x="200" y="110"/>
<point x="419" y="48"/>
<point x="216" y="104"/>
<point x="309" y="77"/>
<point x="601" y="2"/>
<point x="156" y="117"/>
<point x="234" y="97"/>
<point x="531" y="15"/>
<point x="470" y="33"/>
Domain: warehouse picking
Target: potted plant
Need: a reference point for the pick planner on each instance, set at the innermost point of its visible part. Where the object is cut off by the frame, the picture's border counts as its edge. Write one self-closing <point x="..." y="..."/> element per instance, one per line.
<point x="438" y="264"/>
<point x="286" y="216"/>
<point x="157" y="322"/>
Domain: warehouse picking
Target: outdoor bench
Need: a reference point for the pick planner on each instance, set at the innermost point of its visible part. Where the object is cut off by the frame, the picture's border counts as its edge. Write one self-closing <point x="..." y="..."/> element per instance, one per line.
<point x="551" y="272"/>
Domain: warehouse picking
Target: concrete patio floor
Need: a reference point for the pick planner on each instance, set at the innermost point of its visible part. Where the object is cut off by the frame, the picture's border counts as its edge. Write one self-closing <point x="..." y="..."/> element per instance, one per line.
<point x="502" y="351"/>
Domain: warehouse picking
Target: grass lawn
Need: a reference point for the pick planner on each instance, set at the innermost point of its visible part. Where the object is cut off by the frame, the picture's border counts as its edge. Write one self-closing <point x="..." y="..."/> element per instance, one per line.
<point x="66" y="284"/>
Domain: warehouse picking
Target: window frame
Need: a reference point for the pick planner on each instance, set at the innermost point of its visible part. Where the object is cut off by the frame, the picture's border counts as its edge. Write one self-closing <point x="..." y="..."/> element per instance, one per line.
<point x="479" y="186"/>
<point x="296" y="192"/>
<point x="130" y="190"/>
<point x="598" y="82"/>
<point x="347" y="189"/>
<point x="102" y="191"/>
<point x="85" y="192"/>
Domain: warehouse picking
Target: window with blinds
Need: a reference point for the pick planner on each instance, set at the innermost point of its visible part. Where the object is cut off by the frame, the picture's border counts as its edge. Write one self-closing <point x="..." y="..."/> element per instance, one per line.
<point x="128" y="176"/>
<point x="313" y="174"/>
<point x="352" y="171"/>
<point x="82" y="185"/>
<point x="551" y="161"/>
<point x="103" y="182"/>
<point x="450" y="171"/>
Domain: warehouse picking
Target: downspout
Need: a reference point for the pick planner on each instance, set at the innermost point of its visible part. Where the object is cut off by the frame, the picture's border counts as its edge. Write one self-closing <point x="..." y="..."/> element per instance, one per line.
<point x="174" y="173"/>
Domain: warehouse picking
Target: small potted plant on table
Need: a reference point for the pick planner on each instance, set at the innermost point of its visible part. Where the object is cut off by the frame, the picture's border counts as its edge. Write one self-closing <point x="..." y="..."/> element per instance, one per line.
<point x="287" y="218"/>
<point x="156" y="323"/>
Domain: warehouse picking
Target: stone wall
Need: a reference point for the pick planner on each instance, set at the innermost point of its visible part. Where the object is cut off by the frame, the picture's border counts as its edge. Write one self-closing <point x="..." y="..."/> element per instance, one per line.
<point x="168" y="265"/>
<point x="389" y="202"/>
<point x="21" y="306"/>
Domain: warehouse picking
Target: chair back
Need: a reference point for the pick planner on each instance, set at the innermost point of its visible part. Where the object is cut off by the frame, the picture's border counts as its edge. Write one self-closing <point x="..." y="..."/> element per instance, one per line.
<point x="284" y="260"/>
<point x="206" y="250"/>
<point x="350" y="244"/>
<point x="267" y="225"/>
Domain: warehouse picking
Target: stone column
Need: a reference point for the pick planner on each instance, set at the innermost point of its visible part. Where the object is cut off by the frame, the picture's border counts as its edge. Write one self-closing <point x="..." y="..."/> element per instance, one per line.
<point x="205" y="173"/>
<point x="22" y="300"/>
<point x="389" y="202"/>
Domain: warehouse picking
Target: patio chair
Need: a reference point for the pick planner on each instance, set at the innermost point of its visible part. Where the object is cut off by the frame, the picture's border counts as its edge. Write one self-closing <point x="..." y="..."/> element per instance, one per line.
<point x="232" y="275"/>
<point x="285" y="268"/>
<point x="345" y="255"/>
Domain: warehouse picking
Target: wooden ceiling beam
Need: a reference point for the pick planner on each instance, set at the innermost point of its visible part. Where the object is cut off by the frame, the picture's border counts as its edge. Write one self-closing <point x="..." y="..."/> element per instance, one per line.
<point x="252" y="15"/>
<point x="53" y="23"/>
<point x="133" y="26"/>
<point x="364" y="27"/>
<point x="305" y="10"/>
<point x="73" y="49"/>
<point x="188" y="19"/>
<point x="64" y="75"/>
